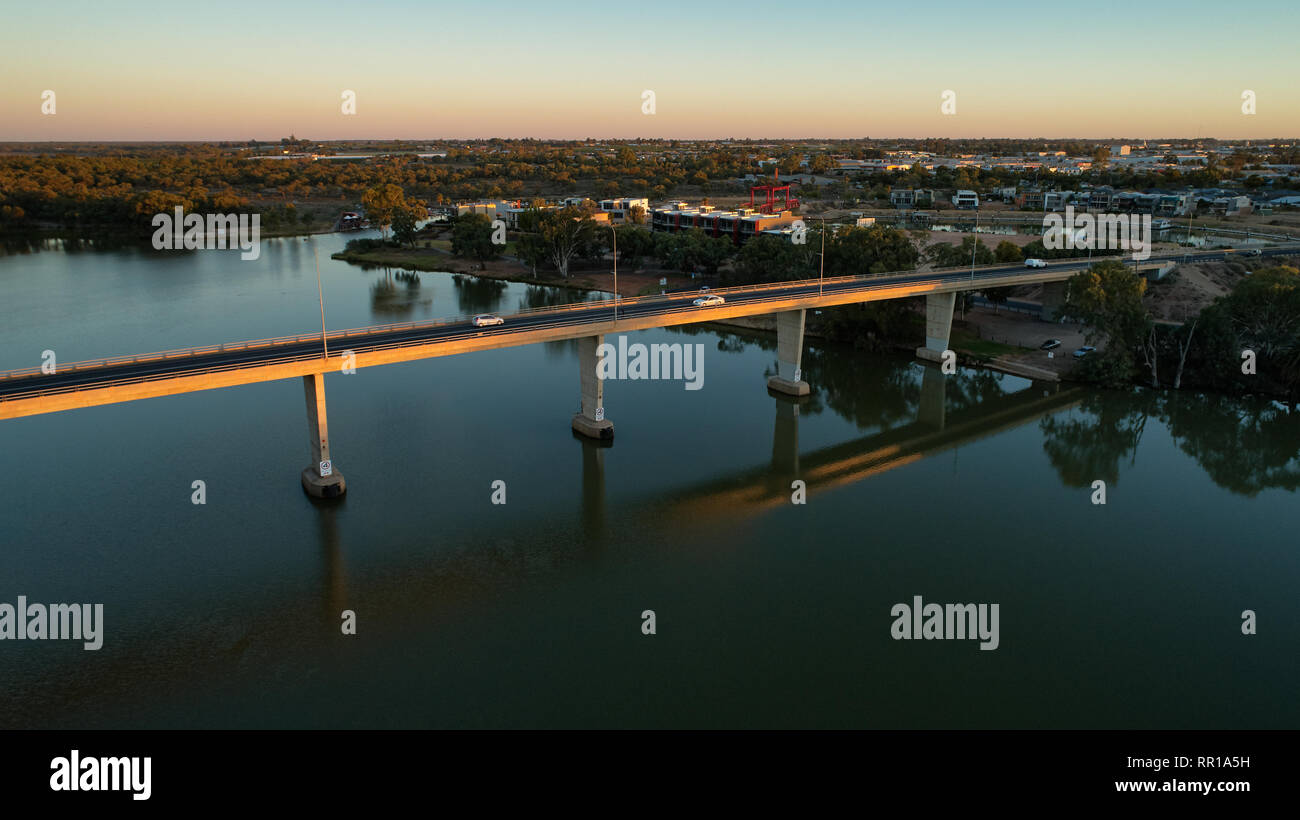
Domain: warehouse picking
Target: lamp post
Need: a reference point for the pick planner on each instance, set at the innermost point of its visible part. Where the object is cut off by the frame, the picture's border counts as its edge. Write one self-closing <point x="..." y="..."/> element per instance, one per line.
<point x="320" y="294"/>
<point x="821" y="274"/>
<point x="975" y="243"/>
<point x="615" y="233"/>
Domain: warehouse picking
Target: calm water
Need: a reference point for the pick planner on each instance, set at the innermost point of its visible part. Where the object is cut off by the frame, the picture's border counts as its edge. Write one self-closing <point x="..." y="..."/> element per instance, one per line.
<point x="529" y="614"/>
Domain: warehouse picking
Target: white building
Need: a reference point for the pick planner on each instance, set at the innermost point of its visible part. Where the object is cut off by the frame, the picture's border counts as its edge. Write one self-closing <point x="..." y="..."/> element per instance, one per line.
<point x="965" y="199"/>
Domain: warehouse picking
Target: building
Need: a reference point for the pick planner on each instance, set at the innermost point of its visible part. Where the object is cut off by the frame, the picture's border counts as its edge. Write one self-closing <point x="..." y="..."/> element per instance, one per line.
<point x="1099" y="199"/>
<point x="492" y="209"/>
<point x="911" y="197"/>
<point x="965" y="199"/>
<point x="738" y="225"/>
<point x="1174" y="204"/>
<point x="620" y="210"/>
<point x="1231" y="205"/>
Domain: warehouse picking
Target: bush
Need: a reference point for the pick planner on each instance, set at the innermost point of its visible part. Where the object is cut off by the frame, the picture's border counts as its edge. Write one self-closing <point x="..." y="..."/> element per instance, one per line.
<point x="363" y="245"/>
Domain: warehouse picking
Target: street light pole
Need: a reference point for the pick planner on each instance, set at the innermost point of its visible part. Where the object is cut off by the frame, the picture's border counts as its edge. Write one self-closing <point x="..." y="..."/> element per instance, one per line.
<point x="320" y="294"/>
<point x="821" y="275"/>
<point x="615" y="233"/>
<point x="975" y="236"/>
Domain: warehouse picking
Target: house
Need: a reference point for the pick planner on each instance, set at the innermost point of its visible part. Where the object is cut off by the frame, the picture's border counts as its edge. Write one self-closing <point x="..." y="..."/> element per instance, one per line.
<point x="965" y="199"/>
<point x="1231" y="205"/>
<point x="620" y="210"/>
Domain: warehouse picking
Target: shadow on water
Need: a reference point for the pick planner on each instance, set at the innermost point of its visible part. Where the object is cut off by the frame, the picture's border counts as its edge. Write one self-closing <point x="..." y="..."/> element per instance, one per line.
<point x="1245" y="444"/>
<point x="477" y="295"/>
<point x="397" y="294"/>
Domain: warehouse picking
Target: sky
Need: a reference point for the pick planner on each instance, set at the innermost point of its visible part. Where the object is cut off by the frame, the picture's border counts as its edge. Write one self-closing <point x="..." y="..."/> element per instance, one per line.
<point x="554" y="70"/>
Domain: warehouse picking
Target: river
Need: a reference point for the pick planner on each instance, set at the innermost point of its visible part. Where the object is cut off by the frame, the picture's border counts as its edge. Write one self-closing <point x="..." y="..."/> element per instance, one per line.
<point x="530" y="613"/>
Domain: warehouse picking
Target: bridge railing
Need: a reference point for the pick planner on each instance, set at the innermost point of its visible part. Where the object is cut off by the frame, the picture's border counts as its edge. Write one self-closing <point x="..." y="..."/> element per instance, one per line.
<point x="586" y="305"/>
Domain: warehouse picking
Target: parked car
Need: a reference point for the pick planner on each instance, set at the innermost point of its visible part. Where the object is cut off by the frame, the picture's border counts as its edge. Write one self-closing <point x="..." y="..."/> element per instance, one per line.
<point x="487" y="320"/>
<point x="709" y="301"/>
<point x="1083" y="351"/>
<point x="1050" y="344"/>
<point x="1035" y="263"/>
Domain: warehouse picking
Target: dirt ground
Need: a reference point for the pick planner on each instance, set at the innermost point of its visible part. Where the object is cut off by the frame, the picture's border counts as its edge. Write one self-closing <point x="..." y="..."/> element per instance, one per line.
<point x="1188" y="289"/>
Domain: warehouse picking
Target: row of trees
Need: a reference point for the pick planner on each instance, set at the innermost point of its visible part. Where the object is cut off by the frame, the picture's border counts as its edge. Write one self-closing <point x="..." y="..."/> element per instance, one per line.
<point x="1246" y="340"/>
<point x="101" y="186"/>
<point x="557" y="236"/>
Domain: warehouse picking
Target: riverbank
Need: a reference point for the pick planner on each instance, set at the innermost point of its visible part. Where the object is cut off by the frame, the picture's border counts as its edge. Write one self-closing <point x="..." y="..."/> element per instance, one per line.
<point x="509" y="269"/>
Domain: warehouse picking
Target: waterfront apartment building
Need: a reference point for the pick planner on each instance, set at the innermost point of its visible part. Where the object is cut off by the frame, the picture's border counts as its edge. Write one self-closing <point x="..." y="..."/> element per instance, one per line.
<point x="911" y="197"/>
<point x="620" y="210"/>
<point x="738" y="225"/>
<point x="1232" y="205"/>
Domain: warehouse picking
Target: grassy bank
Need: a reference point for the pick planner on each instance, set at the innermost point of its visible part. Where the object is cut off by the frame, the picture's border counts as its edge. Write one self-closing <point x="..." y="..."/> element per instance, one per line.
<point x="437" y="258"/>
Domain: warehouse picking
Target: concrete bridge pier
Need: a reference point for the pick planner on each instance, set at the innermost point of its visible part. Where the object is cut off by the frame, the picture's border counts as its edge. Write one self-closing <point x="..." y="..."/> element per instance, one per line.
<point x="934" y="399"/>
<point x="789" y="355"/>
<point x="938" y="325"/>
<point x="591" y="421"/>
<point x="1053" y="300"/>
<point x="321" y="479"/>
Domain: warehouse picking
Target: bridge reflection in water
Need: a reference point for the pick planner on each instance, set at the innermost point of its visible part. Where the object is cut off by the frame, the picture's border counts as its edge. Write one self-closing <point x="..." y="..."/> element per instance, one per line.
<point x="433" y="582"/>
<point x="936" y="428"/>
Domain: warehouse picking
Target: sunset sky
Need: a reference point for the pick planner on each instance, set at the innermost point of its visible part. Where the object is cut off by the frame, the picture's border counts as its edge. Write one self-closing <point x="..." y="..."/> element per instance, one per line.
<point x="243" y="70"/>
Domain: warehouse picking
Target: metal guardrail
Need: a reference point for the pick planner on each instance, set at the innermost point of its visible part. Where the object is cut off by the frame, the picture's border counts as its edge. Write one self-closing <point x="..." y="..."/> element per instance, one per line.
<point x="378" y="330"/>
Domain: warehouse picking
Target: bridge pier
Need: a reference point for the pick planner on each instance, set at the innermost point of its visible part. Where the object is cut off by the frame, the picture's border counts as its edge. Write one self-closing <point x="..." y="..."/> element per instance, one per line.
<point x="1053" y="300"/>
<point x="789" y="355"/>
<point x="591" y="421"/>
<point x="321" y="479"/>
<point x="938" y="325"/>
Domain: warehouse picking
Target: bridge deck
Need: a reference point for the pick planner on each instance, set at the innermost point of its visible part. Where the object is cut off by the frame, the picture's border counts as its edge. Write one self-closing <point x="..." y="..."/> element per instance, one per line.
<point x="106" y="381"/>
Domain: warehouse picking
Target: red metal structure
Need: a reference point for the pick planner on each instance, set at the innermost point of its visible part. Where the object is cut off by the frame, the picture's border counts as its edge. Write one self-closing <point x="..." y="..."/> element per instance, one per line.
<point x="769" y="207"/>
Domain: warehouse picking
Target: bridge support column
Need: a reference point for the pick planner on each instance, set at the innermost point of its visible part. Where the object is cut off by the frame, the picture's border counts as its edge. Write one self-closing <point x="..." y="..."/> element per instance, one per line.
<point x="321" y="479"/>
<point x="789" y="355"/>
<point x="591" y="421"/>
<point x="938" y="325"/>
<point x="1053" y="300"/>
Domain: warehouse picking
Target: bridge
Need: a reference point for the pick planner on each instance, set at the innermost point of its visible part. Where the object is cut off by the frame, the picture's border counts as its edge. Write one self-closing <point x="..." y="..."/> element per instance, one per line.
<point x="33" y="391"/>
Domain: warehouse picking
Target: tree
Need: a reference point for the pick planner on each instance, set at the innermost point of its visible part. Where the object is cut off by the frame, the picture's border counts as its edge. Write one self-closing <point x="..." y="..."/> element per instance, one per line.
<point x="634" y="244"/>
<point x="405" y="219"/>
<point x="943" y="255"/>
<point x="532" y="250"/>
<point x="1108" y="299"/>
<point x="1007" y="252"/>
<point x="771" y="259"/>
<point x="1262" y="315"/>
<point x="471" y="237"/>
<point x="996" y="296"/>
<point x="565" y="233"/>
<point x="382" y="204"/>
<point x="877" y="249"/>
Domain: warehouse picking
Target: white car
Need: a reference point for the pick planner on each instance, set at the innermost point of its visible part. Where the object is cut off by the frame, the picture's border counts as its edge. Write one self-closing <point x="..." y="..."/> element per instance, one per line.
<point x="487" y="320"/>
<point x="709" y="301"/>
<point x="1035" y="263"/>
